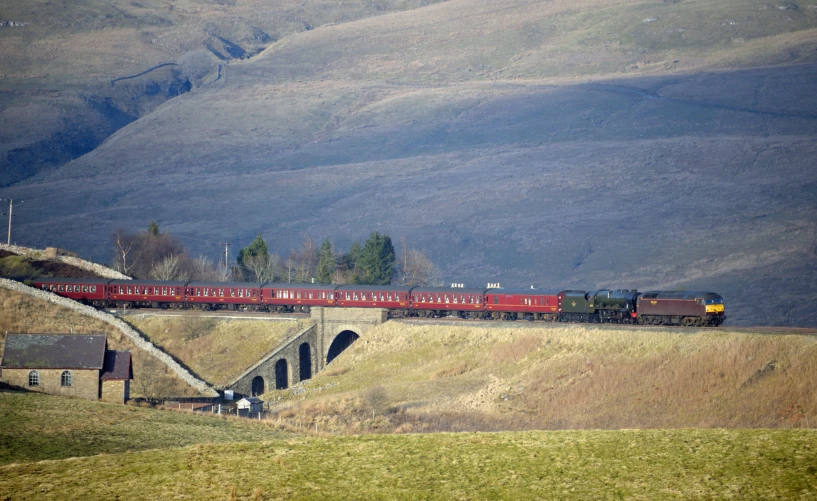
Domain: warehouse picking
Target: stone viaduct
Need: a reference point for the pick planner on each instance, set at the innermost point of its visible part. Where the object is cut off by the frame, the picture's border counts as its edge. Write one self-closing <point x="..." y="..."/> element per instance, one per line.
<point x="309" y="351"/>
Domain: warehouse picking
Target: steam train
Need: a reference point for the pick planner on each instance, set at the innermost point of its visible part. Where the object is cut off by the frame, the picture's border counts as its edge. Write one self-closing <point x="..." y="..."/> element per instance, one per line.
<point x="602" y="306"/>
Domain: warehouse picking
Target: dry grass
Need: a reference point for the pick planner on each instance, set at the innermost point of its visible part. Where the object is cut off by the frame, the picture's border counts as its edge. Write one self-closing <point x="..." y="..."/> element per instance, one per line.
<point x="218" y="350"/>
<point x="453" y="377"/>
<point x="23" y="313"/>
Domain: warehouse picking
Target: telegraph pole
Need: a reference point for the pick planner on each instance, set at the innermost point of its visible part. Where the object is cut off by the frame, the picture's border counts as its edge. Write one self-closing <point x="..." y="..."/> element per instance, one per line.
<point x="226" y="259"/>
<point x="10" y="214"/>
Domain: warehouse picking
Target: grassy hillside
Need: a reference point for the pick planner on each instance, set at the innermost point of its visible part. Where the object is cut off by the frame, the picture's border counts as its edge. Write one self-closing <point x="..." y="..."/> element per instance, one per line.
<point x="427" y="376"/>
<point x="218" y="350"/>
<point x="23" y="313"/>
<point x="579" y="144"/>
<point x="681" y="464"/>
<point x="37" y="427"/>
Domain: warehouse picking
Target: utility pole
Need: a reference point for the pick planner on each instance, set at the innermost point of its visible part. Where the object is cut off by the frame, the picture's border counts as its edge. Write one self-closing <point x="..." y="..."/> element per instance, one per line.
<point x="226" y="259"/>
<point x="10" y="214"/>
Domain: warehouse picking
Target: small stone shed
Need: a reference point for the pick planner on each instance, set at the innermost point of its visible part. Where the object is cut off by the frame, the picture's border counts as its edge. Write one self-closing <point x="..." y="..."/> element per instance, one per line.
<point x="67" y="365"/>
<point x="251" y="404"/>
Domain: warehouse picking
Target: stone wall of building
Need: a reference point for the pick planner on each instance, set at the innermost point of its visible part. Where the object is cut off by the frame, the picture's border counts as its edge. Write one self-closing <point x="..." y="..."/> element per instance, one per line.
<point x="84" y="383"/>
<point x="115" y="391"/>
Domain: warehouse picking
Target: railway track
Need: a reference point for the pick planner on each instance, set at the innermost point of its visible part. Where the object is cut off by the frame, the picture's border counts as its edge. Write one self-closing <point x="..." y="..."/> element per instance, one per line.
<point x="293" y="317"/>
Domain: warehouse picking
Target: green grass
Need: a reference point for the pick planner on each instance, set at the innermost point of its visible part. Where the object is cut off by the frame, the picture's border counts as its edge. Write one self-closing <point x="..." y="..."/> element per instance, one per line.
<point x="581" y="465"/>
<point x="36" y="427"/>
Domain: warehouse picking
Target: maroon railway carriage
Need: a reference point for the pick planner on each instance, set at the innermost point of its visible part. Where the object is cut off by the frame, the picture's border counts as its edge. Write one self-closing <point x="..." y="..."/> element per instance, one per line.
<point x="146" y="293"/>
<point x="533" y="304"/>
<point x="444" y="301"/>
<point x="223" y="295"/>
<point x="289" y="297"/>
<point x="87" y="290"/>
<point x="680" y="308"/>
<point x="374" y="296"/>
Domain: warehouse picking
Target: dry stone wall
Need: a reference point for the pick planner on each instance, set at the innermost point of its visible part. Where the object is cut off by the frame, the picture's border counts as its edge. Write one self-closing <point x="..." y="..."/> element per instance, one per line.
<point x="98" y="269"/>
<point x="141" y="343"/>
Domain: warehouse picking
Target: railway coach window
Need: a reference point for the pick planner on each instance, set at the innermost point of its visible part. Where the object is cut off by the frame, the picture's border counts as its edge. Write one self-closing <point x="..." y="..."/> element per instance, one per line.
<point x="206" y="292"/>
<point x="84" y="288"/>
<point x="164" y="291"/>
<point x="62" y="288"/>
<point x="240" y="292"/>
<point x="221" y="293"/>
<point x="93" y="288"/>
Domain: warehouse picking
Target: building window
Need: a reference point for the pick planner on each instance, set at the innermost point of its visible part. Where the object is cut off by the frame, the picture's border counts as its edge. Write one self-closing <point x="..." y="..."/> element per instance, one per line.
<point x="66" y="379"/>
<point x="34" y="378"/>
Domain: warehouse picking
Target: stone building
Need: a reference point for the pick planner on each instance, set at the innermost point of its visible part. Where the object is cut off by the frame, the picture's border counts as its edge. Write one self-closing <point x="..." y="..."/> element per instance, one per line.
<point x="68" y="365"/>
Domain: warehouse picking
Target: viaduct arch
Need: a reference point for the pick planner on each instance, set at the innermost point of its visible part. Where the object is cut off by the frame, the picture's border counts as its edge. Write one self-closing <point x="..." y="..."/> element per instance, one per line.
<point x="309" y="351"/>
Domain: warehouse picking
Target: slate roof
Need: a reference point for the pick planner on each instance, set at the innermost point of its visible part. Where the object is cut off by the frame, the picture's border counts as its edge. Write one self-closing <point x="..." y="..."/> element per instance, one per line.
<point x="54" y="351"/>
<point x="117" y="366"/>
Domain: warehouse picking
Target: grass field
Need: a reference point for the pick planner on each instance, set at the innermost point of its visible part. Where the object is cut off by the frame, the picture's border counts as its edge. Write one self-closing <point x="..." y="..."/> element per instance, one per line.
<point x="37" y="427"/>
<point x="581" y="465"/>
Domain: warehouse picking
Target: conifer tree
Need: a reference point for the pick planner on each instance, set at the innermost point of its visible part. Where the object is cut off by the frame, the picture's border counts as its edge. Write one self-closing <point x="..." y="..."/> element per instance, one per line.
<point x="377" y="261"/>
<point x="326" y="263"/>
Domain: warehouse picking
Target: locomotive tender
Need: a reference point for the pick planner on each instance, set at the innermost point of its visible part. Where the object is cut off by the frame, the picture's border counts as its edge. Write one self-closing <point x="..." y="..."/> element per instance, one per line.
<point x="601" y="306"/>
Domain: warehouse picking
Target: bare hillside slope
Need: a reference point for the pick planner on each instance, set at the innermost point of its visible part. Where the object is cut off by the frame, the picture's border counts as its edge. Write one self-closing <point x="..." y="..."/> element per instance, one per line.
<point x="574" y="144"/>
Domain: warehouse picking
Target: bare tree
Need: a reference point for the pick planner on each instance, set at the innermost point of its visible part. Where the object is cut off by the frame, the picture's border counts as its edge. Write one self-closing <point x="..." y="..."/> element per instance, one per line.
<point x="202" y="268"/>
<point x="260" y="268"/>
<point x="169" y="268"/>
<point x="415" y="267"/>
<point x="126" y="251"/>
<point x="304" y="261"/>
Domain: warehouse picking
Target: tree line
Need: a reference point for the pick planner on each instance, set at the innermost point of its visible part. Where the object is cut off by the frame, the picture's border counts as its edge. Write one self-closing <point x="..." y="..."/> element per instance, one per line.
<point x="153" y="254"/>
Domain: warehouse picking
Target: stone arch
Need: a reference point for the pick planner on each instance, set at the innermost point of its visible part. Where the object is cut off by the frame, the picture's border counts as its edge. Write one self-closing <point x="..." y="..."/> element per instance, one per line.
<point x="304" y="362"/>
<point x="281" y="374"/>
<point x="258" y="386"/>
<point x="342" y="341"/>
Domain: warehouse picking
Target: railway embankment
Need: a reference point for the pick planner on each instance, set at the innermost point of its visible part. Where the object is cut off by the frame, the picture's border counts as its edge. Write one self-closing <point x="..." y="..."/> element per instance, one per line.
<point x="132" y="335"/>
<point x="413" y="376"/>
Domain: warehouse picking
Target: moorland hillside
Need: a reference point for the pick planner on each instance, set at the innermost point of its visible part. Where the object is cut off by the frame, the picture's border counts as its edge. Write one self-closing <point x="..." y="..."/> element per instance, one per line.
<point x="634" y="143"/>
<point x="74" y="72"/>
